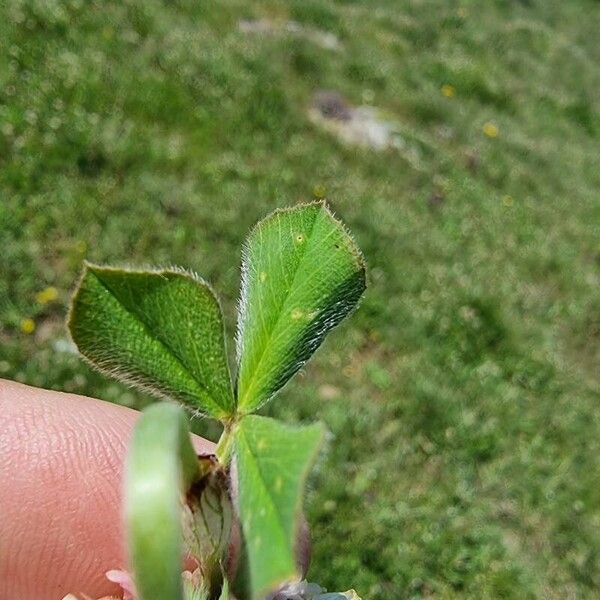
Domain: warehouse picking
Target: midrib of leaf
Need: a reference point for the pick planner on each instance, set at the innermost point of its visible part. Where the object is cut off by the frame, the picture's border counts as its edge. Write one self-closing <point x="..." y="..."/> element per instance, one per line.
<point x="165" y="345"/>
<point x="266" y="345"/>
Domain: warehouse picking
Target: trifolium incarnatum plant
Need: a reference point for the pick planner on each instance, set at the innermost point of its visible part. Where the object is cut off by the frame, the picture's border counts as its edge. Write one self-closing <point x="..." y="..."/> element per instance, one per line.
<point x="162" y="331"/>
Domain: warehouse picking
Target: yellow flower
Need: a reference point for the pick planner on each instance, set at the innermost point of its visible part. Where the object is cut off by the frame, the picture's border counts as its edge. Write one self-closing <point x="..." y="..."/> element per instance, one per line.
<point x="27" y="326"/>
<point x="319" y="192"/>
<point x="490" y="129"/>
<point x="47" y="295"/>
<point x="448" y="91"/>
<point x="507" y="201"/>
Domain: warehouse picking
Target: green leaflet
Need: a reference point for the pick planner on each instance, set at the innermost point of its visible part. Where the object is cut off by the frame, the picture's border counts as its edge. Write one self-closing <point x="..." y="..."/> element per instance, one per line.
<point x="161" y="331"/>
<point x="161" y="465"/>
<point x="273" y="461"/>
<point x="301" y="275"/>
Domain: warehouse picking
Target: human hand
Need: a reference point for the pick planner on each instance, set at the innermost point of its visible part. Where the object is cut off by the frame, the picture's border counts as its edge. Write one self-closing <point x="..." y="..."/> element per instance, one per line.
<point x="61" y="462"/>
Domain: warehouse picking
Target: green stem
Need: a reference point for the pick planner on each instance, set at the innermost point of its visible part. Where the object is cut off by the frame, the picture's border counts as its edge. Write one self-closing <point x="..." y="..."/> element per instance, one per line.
<point x="224" y="447"/>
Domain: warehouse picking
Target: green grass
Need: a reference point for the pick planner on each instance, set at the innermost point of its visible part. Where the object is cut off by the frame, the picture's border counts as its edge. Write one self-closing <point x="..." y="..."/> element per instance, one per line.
<point x="463" y="395"/>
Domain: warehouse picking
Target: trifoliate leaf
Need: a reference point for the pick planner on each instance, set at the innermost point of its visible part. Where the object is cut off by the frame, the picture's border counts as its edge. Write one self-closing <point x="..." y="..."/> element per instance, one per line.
<point x="273" y="461"/>
<point x="302" y="274"/>
<point x="161" y="465"/>
<point x="161" y="331"/>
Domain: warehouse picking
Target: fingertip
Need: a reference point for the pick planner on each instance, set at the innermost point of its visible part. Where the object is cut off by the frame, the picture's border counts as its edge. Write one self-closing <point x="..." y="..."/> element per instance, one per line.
<point x="61" y="461"/>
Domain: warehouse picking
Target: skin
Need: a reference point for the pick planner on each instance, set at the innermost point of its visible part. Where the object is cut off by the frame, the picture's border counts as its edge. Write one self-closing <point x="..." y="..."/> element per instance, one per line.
<point x="61" y="465"/>
<point x="61" y="461"/>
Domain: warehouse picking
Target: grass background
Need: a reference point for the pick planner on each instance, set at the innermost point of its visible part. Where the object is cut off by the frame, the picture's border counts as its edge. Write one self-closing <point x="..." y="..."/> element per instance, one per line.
<point x="463" y="395"/>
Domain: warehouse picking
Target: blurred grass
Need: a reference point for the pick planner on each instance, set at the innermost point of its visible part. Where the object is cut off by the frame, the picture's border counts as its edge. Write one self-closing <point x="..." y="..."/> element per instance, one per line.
<point x="463" y="395"/>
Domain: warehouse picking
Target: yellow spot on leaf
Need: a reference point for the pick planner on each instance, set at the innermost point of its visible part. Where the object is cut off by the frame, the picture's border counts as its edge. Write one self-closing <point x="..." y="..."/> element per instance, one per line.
<point x="490" y="130"/>
<point x="300" y="238"/>
<point x="263" y="276"/>
<point x="262" y="444"/>
<point x="296" y="314"/>
<point x="278" y="484"/>
<point x="507" y="201"/>
<point x="28" y="326"/>
<point x="47" y="295"/>
<point x="448" y="91"/>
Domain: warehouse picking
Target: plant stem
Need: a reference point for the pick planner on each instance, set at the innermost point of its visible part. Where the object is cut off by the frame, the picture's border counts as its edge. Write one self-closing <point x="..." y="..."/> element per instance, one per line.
<point x="225" y="445"/>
